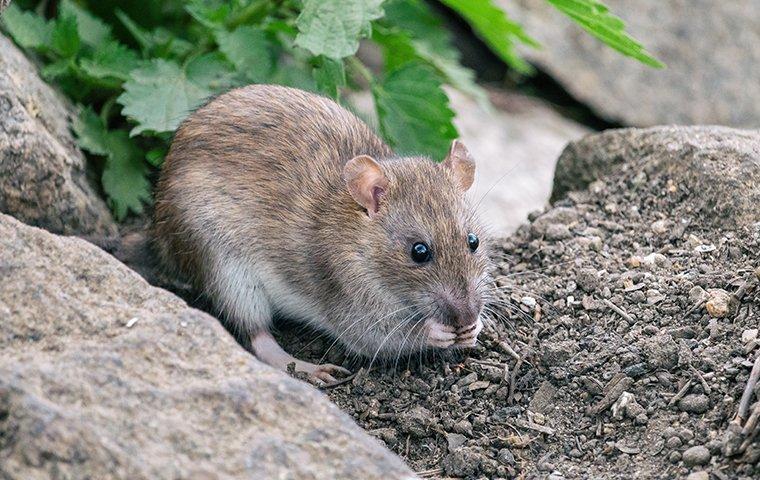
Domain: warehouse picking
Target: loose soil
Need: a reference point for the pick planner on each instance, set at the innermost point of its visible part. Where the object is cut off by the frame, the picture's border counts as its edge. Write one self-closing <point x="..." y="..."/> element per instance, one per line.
<point x="623" y="345"/>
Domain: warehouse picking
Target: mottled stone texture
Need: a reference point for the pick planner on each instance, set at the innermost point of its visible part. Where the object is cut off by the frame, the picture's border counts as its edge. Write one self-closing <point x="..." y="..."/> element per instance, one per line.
<point x="717" y="167"/>
<point x="103" y="376"/>
<point x="710" y="48"/>
<point x="43" y="178"/>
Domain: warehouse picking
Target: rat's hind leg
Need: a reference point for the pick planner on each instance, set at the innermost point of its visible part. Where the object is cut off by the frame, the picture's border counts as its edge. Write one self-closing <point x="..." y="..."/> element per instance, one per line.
<point x="240" y="294"/>
<point x="266" y="349"/>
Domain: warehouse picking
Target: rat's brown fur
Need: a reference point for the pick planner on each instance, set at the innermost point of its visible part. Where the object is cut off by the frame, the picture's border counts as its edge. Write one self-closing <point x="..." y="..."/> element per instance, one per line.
<point x="252" y="208"/>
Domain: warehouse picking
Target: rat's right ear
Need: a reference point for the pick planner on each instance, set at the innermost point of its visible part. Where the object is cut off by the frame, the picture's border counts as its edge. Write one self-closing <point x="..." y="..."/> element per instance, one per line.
<point x="366" y="182"/>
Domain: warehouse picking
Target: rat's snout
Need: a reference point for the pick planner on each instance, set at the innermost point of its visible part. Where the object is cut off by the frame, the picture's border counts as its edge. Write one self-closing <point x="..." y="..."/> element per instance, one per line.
<point x="459" y="310"/>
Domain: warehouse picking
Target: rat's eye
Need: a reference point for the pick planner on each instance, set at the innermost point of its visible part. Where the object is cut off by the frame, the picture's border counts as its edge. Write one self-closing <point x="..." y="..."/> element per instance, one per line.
<point x="421" y="252"/>
<point x="473" y="241"/>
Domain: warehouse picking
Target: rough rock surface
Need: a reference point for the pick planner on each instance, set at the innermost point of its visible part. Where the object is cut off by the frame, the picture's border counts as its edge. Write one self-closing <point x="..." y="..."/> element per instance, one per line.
<point x="717" y="167"/>
<point x="103" y="376"/>
<point x="43" y="179"/>
<point x="709" y="48"/>
<point x="623" y="368"/>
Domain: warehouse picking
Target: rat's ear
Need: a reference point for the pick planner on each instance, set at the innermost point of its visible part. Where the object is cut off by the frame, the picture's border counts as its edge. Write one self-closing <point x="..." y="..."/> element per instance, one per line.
<point x="462" y="164"/>
<point x="366" y="182"/>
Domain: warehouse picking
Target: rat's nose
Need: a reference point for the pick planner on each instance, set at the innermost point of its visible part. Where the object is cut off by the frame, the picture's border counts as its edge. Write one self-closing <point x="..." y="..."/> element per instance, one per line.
<point x="460" y="311"/>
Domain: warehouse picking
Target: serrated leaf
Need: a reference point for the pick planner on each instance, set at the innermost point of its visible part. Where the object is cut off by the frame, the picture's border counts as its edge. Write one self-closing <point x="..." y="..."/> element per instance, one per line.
<point x="124" y="177"/>
<point x="249" y="50"/>
<point x="159" y="96"/>
<point x="91" y="132"/>
<point x="497" y="30"/>
<point x="156" y="43"/>
<point x="594" y="17"/>
<point x="213" y="71"/>
<point x="111" y="60"/>
<point x="92" y="30"/>
<point x="209" y="14"/>
<point x="413" y="111"/>
<point x="330" y="76"/>
<point x="26" y="28"/>
<point x="333" y="27"/>
<point x="417" y="19"/>
<point x="65" y="36"/>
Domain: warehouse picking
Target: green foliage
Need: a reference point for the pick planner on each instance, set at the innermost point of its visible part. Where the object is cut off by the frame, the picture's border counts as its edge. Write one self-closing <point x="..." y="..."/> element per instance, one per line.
<point x="139" y="68"/>
<point x="596" y="19"/>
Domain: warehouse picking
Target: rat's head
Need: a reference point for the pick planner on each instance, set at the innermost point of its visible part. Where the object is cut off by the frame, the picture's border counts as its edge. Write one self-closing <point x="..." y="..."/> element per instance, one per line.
<point x="422" y="251"/>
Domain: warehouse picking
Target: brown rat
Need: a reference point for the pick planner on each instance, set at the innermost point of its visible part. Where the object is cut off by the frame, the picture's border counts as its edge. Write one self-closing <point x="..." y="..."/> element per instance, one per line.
<point x="274" y="201"/>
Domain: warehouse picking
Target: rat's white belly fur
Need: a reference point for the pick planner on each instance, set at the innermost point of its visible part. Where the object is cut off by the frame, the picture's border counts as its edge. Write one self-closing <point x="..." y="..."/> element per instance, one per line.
<point x="251" y="292"/>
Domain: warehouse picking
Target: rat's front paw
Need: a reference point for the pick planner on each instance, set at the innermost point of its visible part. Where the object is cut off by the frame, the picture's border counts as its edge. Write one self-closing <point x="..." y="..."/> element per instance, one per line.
<point x="439" y="335"/>
<point x="468" y="336"/>
<point x="320" y="374"/>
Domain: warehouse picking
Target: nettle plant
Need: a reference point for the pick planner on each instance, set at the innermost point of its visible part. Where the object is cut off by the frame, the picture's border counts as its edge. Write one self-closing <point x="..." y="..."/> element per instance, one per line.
<point x="137" y="69"/>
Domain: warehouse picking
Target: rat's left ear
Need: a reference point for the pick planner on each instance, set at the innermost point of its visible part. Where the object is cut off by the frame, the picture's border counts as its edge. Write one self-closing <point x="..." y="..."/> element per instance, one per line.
<point x="462" y="164"/>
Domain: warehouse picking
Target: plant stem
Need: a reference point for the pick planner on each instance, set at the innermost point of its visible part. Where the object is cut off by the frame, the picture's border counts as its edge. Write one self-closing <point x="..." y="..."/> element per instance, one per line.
<point x="358" y="67"/>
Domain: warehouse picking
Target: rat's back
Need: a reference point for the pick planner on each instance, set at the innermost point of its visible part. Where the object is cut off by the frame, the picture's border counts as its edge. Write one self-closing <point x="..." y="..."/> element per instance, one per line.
<point x="256" y="161"/>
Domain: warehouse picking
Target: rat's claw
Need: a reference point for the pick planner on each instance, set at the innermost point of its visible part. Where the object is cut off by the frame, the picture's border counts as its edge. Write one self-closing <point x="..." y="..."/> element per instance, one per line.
<point x="468" y="336"/>
<point x="440" y="335"/>
<point x="323" y="374"/>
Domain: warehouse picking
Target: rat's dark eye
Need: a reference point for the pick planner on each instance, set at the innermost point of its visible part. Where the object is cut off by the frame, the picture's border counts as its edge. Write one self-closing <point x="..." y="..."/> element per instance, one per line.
<point x="421" y="252"/>
<point x="473" y="241"/>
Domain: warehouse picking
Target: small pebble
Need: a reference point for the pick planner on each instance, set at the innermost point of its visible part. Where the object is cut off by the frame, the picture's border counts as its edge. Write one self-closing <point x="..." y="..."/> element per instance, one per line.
<point x="694" y="403"/>
<point x="455" y="440"/>
<point x="698" y="455"/>
<point x="700" y="475"/>
<point x="749" y="335"/>
<point x="718" y="302"/>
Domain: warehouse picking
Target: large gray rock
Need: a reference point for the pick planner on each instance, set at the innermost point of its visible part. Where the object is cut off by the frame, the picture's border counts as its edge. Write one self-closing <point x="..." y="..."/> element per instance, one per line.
<point x="103" y="376"/>
<point x="718" y="168"/>
<point x="42" y="173"/>
<point x="710" y="49"/>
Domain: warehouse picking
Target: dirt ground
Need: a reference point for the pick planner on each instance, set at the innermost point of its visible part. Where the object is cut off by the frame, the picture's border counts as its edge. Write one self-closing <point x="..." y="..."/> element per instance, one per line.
<point x="623" y="345"/>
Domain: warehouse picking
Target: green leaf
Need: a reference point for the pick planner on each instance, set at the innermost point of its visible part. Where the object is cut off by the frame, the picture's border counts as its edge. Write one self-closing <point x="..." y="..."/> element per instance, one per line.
<point x="159" y="96"/>
<point x="399" y="48"/>
<point x="156" y="156"/>
<point x="156" y="43"/>
<point x="65" y="36"/>
<point x="213" y="71"/>
<point x="330" y="76"/>
<point x="249" y="50"/>
<point x="209" y="14"/>
<point x="124" y="175"/>
<point x="414" y="112"/>
<point x="333" y="27"/>
<point x="111" y="60"/>
<point x="594" y="17"/>
<point x="91" y="132"/>
<point x="27" y="29"/>
<point x="493" y="26"/>
<point x="92" y="30"/>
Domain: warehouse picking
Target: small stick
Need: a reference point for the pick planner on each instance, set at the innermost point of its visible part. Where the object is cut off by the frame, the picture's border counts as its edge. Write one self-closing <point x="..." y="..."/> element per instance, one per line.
<point x="509" y="350"/>
<point x="747" y="395"/>
<point x="681" y="392"/>
<point x="618" y="310"/>
<point x="701" y="379"/>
